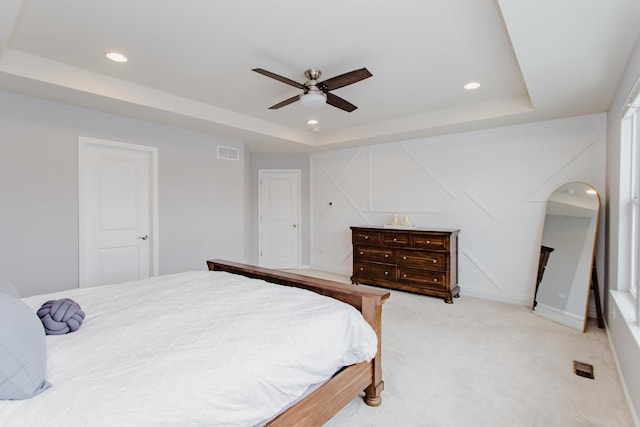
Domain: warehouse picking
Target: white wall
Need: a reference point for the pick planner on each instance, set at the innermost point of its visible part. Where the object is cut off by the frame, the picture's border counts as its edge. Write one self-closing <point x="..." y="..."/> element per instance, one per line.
<point x="492" y="184"/>
<point x="625" y="337"/>
<point x="201" y="213"/>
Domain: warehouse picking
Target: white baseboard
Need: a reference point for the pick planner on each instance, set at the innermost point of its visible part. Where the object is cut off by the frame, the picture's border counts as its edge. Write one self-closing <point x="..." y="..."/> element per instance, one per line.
<point x="330" y="269"/>
<point x="622" y="330"/>
<point x="623" y="381"/>
<point x="525" y="300"/>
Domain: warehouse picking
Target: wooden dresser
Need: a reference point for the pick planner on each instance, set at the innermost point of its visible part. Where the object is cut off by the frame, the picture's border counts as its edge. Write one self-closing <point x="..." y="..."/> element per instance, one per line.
<point x="418" y="260"/>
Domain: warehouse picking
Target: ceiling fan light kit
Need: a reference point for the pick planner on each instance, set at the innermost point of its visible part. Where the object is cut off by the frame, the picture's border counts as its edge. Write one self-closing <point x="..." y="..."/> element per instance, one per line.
<point x="313" y="99"/>
<point x="315" y="94"/>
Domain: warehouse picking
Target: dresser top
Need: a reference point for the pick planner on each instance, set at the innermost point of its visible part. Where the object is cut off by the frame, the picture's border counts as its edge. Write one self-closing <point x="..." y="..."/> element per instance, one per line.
<point x="403" y="228"/>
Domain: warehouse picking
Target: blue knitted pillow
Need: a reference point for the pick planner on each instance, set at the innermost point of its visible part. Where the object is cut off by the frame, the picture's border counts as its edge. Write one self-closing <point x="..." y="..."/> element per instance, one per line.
<point x="23" y="350"/>
<point x="61" y="316"/>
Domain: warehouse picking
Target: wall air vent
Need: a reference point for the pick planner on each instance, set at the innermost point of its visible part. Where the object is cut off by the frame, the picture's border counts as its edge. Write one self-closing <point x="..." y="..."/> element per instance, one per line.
<point x="228" y="153"/>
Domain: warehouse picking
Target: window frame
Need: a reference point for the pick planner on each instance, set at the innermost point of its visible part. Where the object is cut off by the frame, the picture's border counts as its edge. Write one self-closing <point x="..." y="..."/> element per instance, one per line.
<point x="630" y="200"/>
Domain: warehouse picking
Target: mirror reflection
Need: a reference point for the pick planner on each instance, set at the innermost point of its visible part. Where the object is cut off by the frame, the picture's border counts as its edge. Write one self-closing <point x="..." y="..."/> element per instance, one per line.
<point x="566" y="255"/>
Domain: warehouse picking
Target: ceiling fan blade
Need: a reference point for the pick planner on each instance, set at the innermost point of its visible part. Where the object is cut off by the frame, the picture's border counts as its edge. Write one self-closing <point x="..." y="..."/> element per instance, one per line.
<point x="344" y="79"/>
<point x="279" y="78"/>
<point x="340" y="103"/>
<point x="285" y="102"/>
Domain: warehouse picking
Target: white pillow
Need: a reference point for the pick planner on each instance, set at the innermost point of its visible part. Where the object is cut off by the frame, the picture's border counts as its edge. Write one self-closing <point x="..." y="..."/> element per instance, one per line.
<point x="23" y="350"/>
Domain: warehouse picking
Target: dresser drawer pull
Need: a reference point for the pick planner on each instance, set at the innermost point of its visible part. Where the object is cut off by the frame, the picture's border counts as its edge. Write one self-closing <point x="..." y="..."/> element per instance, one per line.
<point x="435" y="261"/>
<point x="435" y="280"/>
<point x="386" y="273"/>
<point x="366" y="237"/>
<point x="428" y="241"/>
<point x="395" y="240"/>
<point x="361" y="253"/>
<point x="386" y="255"/>
<point x="361" y="268"/>
<point x="404" y="275"/>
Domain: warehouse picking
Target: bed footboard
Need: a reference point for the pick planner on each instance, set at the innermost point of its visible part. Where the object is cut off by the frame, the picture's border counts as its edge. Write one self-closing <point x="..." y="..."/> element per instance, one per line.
<point x="328" y="399"/>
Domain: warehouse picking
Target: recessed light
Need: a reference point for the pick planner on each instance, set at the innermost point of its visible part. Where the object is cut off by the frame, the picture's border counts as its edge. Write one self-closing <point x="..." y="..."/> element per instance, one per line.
<point x="472" y="85"/>
<point x="116" y="56"/>
<point x="312" y="122"/>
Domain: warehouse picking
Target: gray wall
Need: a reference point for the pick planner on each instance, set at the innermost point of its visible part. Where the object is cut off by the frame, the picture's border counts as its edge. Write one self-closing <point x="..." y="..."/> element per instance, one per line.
<point x="201" y="198"/>
<point x="282" y="161"/>
<point x="249" y="238"/>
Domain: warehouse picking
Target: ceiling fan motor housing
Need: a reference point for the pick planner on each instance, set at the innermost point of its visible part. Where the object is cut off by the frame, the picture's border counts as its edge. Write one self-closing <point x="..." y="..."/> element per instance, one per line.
<point x="312" y="75"/>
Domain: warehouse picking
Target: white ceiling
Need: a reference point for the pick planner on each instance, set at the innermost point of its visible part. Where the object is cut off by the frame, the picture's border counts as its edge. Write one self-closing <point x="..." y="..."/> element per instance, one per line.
<point x="190" y="62"/>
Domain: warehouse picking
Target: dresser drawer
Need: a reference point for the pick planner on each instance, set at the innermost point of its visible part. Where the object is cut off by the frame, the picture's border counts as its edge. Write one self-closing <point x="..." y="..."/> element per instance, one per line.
<point x="420" y="259"/>
<point x="374" y="271"/>
<point x="366" y="253"/>
<point x="395" y="239"/>
<point x="415" y="276"/>
<point x="365" y="236"/>
<point x="431" y="242"/>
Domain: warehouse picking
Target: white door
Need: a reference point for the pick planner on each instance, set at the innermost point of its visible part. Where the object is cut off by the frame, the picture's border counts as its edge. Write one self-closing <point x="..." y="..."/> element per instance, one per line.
<point x="279" y="215"/>
<point x="117" y="238"/>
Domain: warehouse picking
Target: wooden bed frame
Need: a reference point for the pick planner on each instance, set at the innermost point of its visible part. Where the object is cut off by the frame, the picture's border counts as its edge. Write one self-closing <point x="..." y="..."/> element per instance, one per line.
<point x="323" y="403"/>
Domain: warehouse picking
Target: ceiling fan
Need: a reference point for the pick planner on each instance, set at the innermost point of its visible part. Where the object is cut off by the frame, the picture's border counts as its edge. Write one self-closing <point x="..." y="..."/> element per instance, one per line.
<point x="315" y="93"/>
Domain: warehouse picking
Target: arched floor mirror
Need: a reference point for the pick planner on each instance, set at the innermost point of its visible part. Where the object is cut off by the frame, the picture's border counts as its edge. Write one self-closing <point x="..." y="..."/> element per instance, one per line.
<point x="566" y="257"/>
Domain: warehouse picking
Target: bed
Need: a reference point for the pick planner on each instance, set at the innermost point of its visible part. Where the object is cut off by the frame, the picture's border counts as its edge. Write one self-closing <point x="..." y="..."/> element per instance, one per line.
<point x="184" y="349"/>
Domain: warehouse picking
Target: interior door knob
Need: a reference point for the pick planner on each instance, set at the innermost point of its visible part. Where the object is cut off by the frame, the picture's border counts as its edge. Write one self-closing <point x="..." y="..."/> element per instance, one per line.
<point x="145" y="237"/>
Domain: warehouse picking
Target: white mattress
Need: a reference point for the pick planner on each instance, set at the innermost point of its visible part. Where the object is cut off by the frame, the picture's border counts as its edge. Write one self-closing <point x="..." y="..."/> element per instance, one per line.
<point x="202" y="348"/>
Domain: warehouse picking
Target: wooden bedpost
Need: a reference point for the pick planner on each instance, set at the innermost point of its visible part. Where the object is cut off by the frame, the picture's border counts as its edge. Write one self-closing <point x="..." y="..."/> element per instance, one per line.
<point x="372" y="312"/>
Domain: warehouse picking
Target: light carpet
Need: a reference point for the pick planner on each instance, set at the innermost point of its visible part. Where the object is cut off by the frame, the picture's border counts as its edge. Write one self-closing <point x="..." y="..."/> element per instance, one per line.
<point x="485" y="363"/>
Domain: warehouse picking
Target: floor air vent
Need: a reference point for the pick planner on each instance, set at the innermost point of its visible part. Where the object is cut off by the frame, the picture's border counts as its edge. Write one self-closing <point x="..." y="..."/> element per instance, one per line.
<point x="583" y="369"/>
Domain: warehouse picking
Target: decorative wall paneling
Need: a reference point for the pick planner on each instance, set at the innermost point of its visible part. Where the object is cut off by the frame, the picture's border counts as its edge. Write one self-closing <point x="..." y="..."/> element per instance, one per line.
<point x="491" y="184"/>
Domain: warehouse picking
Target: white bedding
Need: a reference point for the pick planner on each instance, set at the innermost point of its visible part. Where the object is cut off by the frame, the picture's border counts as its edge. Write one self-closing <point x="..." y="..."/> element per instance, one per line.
<point x="202" y="348"/>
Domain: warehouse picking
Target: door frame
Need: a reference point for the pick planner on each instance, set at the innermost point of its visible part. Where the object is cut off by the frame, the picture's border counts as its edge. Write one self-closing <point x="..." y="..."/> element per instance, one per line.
<point x="83" y="169"/>
<point x="298" y="175"/>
